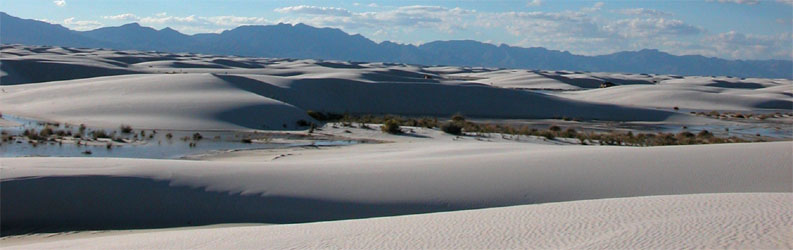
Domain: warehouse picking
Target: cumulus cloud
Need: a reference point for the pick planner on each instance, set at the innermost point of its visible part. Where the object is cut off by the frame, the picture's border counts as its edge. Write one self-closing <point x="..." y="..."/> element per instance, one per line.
<point x="314" y="10"/>
<point x="597" y="6"/>
<point x="123" y="17"/>
<point x="534" y="3"/>
<point x="643" y="12"/>
<point x="790" y="2"/>
<point x="747" y="2"/>
<point x="417" y="16"/>
<point x="60" y="3"/>
<point x="648" y="27"/>
<point x="72" y="23"/>
<point x="736" y="45"/>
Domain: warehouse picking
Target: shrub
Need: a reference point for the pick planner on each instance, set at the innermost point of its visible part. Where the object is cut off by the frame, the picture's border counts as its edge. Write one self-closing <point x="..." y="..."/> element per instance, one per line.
<point x="100" y="134"/>
<point x="391" y="126"/>
<point x="197" y="137"/>
<point x="458" y="118"/>
<point x="704" y="134"/>
<point x="316" y="115"/>
<point x="548" y="135"/>
<point x="168" y="136"/>
<point x="569" y="133"/>
<point x="246" y="140"/>
<point x="554" y="128"/>
<point x="452" y="128"/>
<point x="126" y="129"/>
<point x="46" y="132"/>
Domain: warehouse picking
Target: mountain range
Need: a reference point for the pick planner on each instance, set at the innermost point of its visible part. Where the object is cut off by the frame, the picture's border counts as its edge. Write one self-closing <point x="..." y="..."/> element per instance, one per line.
<point x="303" y="41"/>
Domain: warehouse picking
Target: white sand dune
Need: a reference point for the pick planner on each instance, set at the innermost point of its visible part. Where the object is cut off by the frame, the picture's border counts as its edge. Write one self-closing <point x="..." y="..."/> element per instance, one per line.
<point x="431" y="172"/>
<point x="720" y="221"/>
<point x="371" y="180"/>
<point x="689" y="97"/>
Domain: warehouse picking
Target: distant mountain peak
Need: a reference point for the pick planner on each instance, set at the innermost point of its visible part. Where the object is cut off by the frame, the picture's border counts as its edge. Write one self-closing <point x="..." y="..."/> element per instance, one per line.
<point x="308" y="42"/>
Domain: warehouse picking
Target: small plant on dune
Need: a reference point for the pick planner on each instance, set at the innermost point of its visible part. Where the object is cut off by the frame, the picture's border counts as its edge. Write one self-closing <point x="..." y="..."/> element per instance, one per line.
<point x="316" y="115"/>
<point x="569" y="133"/>
<point x="126" y="129"/>
<point x="197" y="137"/>
<point x="168" y="136"/>
<point x="458" y="118"/>
<point x="46" y="132"/>
<point x="548" y="135"/>
<point x="246" y="140"/>
<point x="554" y="128"/>
<point x="452" y="128"/>
<point x="391" y="126"/>
<point x="100" y="134"/>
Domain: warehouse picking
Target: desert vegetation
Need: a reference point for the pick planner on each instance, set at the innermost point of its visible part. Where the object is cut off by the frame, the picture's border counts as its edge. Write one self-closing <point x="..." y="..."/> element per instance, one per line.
<point x="459" y="125"/>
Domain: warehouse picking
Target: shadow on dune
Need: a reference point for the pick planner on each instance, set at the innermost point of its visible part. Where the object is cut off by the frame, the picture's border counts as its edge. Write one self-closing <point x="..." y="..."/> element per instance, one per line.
<point x="32" y="71"/>
<point x="57" y="204"/>
<point x="428" y="99"/>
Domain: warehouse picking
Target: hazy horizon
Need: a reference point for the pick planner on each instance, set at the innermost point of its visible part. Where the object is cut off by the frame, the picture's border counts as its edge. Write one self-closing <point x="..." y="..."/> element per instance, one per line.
<point x="730" y="29"/>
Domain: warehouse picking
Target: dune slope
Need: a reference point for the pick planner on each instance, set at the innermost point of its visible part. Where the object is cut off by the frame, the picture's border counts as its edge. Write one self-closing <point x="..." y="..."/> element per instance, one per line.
<point x="370" y="180"/>
<point x="743" y="220"/>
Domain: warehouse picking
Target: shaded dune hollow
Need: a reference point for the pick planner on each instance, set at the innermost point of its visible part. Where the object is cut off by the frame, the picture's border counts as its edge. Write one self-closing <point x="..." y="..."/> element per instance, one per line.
<point x="57" y="204"/>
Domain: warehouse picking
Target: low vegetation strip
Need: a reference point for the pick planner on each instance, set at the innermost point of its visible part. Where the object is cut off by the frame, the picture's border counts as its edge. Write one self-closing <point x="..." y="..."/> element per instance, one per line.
<point x="458" y="125"/>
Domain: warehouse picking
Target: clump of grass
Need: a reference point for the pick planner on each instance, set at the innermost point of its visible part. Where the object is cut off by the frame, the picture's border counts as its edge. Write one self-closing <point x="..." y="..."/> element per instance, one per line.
<point x="126" y="129"/>
<point x="168" y="136"/>
<point x="100" y="134"/>
<point x="452" y="128"/>
<point x="391" y="127"/>
<point x="197" y="136"/>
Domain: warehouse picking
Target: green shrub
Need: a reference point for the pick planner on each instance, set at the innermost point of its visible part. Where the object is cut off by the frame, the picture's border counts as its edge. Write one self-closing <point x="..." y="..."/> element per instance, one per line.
<point x="100" y="134"/>
<point x="458" y="118"/>
<point x="452" y="128"/>
<point x="391" y="126"/>
<point x="126" y="129"/>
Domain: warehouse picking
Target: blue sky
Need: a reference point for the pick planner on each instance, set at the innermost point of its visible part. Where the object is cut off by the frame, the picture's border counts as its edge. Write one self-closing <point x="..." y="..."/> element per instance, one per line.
<point x="733" y="29"/>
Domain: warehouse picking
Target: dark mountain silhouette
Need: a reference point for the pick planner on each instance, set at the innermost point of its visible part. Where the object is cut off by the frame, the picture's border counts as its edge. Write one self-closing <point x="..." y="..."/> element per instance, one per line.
<point x="303" y="41"/>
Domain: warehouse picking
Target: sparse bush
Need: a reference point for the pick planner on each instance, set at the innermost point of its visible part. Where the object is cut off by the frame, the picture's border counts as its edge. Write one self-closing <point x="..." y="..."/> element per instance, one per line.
<point x="168" y="136"/>
<point x="197" y="137"/>
<point x="548" y="135"/>
<point x="100" y="134"/>
<point x="246" y="140"/>
<point x="452" y="128"/>
<point x="554" y="128"/>
<point x="458" y="118"/>
<point x="126" y="129"/>
<point x="391" y="127"/>
<point x="46" y="132"/>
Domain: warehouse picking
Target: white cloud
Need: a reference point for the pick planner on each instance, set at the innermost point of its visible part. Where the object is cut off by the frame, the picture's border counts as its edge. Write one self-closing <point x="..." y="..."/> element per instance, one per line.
<point x="123" y="17"/>
<point x="417" y="16"/>
<point x="60" y="3"/>
<point x="747" y="2"/>
<point x="737" y="45"/>
<point x="649" y="27"/>
<point x="201" y="24"/>
<point x="373" y="5"/>
<point x="643" y="12"/>
<point x="789" y="2"/>
<point x="81" y="24"/>
<point x="314" y="10"/>
<point x="534" y="3"/>
<point x="597" y="6"/>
